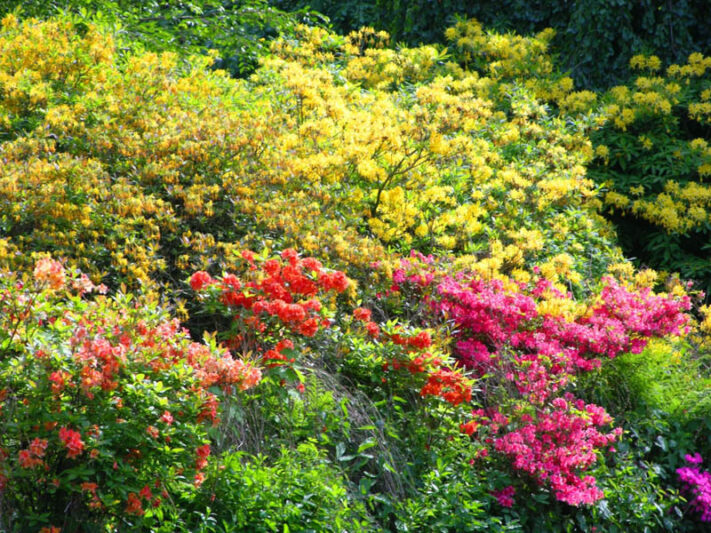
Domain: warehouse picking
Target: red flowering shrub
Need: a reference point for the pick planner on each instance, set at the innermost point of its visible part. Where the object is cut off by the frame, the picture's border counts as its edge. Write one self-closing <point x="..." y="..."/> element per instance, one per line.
<point x="409" y="350"/>
<point x="272" y="303"/>
<point x="102" y="401"/>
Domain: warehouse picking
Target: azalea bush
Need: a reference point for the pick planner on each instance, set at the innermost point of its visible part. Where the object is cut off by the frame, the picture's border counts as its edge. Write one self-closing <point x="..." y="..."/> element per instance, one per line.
<point x="652" y="157"/>
<point x="526" y="344"/>
<point x="106" y="404"/>
<point x="154" y="166"/>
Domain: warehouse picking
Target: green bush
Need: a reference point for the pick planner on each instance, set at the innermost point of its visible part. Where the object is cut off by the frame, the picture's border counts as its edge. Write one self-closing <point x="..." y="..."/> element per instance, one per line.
<point x="300" y="490"/>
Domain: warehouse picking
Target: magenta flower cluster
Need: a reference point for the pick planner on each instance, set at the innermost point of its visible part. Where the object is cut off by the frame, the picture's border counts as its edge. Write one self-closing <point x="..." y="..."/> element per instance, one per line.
<point x="697" y="483"/>
<point x="525" y="359"/>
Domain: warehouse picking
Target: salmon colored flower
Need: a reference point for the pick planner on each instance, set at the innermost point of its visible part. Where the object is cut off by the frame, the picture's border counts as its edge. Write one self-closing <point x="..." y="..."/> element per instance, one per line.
<point x="72" y="441"/>
<point x="51" y="272"/>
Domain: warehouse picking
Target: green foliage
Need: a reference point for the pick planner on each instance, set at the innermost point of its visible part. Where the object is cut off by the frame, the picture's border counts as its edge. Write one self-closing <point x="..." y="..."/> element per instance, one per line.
<point x="299" y="490"/>
<point x="661" y="397"/>
<point x="238" y="29"/>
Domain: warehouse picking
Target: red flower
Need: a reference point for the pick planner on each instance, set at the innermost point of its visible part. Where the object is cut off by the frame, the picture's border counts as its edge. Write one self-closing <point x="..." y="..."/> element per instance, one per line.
<point x="146" y="493"/>
<point x="133" y="505"/>
<point x="38" y="447"/>
<point x="200" y="279"/>
<point x="202" y="452"/>
<point x="231" y="281"/>
<point x="335" y="281"/>
<point x="72" y="441"/>
<point x="372" y="329"/>
<point x="290" y="255"/>
<point x="26" y="460"/>
<point x="309" y="327"/>
<point x="362" y="313"/>
<point x="505" y="496"/>
<point x="469" y="428"/>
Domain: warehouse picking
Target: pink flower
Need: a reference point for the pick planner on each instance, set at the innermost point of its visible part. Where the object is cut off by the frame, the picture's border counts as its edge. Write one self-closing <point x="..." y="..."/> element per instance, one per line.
<point x="505" y="496"/>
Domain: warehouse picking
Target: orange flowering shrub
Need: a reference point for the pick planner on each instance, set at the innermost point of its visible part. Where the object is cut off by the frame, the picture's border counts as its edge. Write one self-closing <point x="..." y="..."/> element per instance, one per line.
<point x="105" y="404"/>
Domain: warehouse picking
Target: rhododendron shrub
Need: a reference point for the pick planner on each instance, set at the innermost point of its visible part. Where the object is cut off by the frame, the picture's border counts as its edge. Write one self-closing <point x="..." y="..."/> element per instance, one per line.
<point x="405" y="352"/>
<point x="525" y="344"/>
<point x="106" y="404"/>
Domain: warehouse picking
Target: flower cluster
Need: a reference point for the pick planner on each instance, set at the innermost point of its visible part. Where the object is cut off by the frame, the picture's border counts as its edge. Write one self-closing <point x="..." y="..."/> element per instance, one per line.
<point x="71" y="440"/>
<point x="284" y="289"/>
<point x="562" y="441"/>
<point x="458" y="164"/>
<point x="505" y="496"/>
<point x="697" y="484"/>
<point x="272" y="300"/>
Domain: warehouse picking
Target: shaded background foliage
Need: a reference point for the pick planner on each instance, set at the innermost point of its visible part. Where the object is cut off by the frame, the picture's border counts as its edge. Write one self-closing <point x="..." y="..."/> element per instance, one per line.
<point x="239" y="29"/>
<point x="594" y="40"/>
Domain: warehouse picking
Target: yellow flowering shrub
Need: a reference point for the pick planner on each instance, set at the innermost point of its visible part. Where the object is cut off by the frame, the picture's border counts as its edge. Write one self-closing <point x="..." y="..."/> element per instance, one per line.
<point x="141" y="168"/>
<point x="514" y="60"/>
<point x="653" y="157"/>
<point x="429" y="159"/>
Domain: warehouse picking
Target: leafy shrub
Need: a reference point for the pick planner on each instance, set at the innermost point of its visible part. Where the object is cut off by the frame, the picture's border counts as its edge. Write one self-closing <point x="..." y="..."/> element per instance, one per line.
<point x="301" y="490"/>
<point x="104" y="405"/>
<point x="660" y="398"/>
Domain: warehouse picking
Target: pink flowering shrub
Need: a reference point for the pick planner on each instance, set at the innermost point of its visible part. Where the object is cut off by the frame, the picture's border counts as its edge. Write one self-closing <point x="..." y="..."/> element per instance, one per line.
<point x="524" y="360"/>
<point x="105" y="404"/>
<point x="505" y="496"/>
<point x="697" y="484"/>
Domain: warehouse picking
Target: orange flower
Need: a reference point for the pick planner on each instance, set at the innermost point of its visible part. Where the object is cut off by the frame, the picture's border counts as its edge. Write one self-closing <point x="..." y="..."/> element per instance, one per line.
<point x="51" y="272"/>
<point x="72" y="441"/>
<point x="133" y="505"/>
